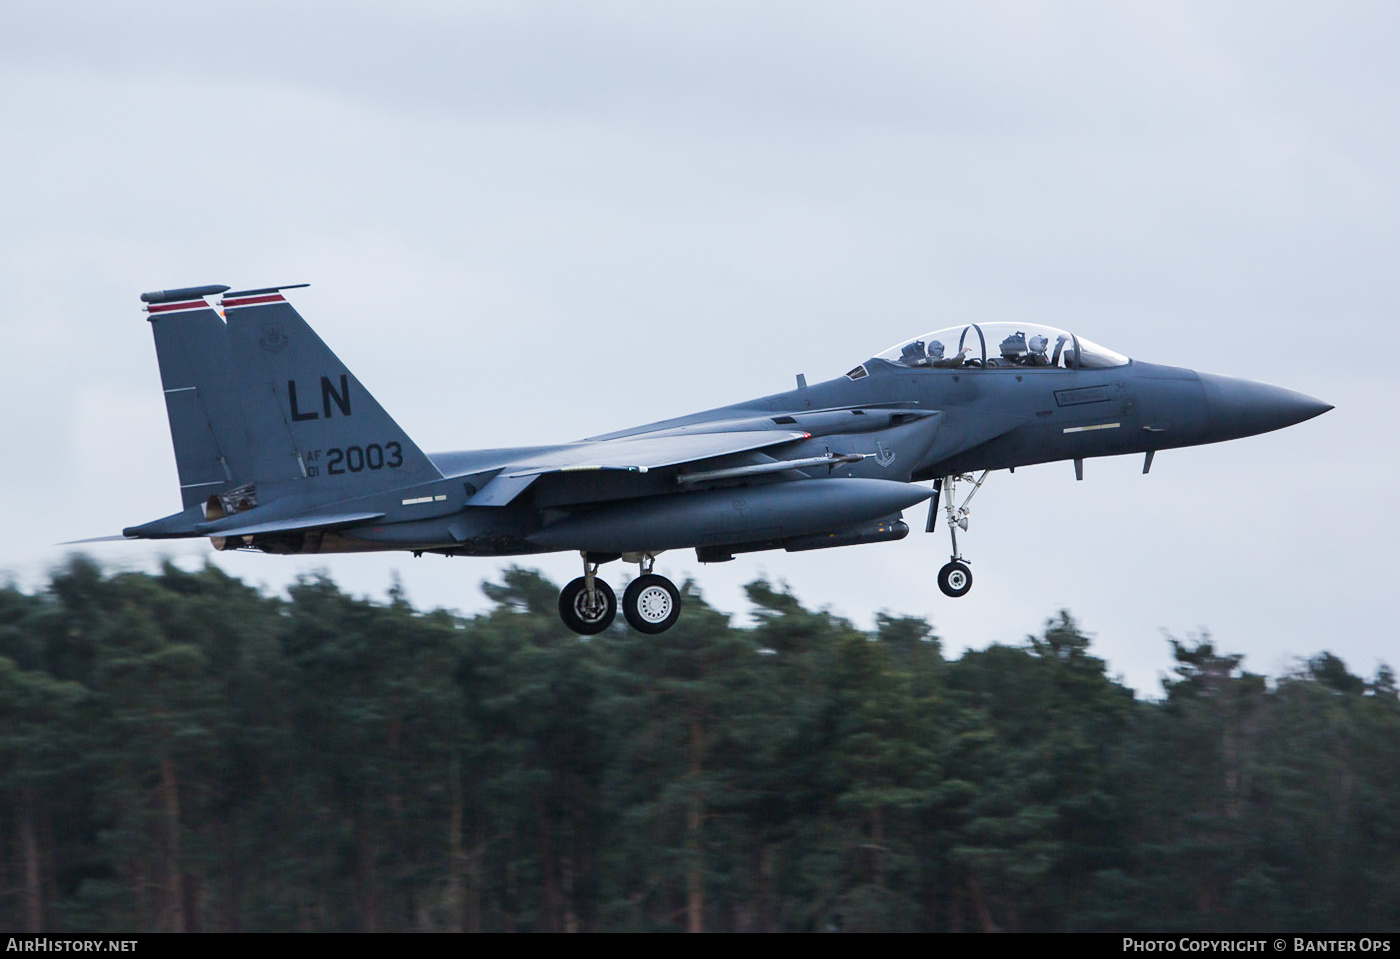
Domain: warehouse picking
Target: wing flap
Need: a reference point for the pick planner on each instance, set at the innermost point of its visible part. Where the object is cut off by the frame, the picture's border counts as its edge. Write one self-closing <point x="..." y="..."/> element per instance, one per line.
<point x="500" y="490"/>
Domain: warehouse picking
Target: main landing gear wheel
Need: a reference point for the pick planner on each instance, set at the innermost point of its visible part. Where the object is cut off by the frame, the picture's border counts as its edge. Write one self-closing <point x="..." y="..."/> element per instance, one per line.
<point x="584" y="615"/>
<point x="955" y="579"/>
<point x="651" y="604"/>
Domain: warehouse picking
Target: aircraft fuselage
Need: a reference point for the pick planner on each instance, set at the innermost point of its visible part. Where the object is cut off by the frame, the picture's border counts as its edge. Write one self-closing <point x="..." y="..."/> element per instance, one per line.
<point x="279" y="448"/>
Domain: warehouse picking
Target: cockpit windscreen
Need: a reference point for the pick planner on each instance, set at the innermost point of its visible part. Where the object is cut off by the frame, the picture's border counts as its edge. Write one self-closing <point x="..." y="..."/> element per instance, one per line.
<point x="993" y="346"/>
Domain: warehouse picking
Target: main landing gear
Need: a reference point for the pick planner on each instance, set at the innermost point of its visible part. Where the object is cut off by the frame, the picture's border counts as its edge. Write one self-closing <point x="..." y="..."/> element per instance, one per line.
<point x="955" y="578"/>
<point x="651" y="604"/>
<point x="588" y="604"/>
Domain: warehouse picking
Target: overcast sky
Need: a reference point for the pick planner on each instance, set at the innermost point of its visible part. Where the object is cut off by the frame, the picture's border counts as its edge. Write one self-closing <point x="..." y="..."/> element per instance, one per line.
<point x="532" y="222"/>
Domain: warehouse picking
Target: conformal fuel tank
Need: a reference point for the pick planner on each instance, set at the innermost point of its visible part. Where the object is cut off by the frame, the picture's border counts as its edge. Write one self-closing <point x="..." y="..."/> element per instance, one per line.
<point x="736" y="515"/>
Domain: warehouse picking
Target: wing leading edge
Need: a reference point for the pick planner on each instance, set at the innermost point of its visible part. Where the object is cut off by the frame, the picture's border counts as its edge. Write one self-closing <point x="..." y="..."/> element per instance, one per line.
<point x="638" y="454"/>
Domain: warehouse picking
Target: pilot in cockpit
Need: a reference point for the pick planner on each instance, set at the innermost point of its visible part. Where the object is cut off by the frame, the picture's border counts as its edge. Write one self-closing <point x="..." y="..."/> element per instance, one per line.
<point x="937" y="359"/>
<point x="1038" y="346"/>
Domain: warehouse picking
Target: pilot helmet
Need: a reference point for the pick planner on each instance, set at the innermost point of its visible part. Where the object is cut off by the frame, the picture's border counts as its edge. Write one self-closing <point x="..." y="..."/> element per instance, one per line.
<point x="1039" y="343"/>
<point x="935" y="350"/>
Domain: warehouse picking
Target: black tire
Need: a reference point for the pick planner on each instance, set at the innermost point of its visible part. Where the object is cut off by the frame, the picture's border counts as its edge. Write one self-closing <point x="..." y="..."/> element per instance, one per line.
<point x="651" y="604"/>
<point x="955" y="579"/>
<point x="575" y="614"/>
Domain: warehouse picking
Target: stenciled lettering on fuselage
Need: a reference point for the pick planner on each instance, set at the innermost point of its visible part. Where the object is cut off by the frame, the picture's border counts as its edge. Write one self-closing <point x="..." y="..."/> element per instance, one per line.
<point x="355" y="459"/>
<point x="329" y="395"/>
<point x="340" y="460"/>
<point x="1087" y="394"/>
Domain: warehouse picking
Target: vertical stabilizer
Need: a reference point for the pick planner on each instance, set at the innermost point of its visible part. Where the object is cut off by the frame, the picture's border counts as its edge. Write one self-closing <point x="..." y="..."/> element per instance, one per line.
<point x="309" y="419"/>
<point x="196" y="372"/>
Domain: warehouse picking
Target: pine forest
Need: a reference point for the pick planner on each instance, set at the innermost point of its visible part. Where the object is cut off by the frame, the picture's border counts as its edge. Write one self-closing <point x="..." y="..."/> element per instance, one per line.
<point x="181" y="752"/>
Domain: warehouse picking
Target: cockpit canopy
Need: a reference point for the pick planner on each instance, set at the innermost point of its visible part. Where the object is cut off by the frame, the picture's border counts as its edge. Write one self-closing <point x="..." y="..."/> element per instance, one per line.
<point x="1002" y="346"/>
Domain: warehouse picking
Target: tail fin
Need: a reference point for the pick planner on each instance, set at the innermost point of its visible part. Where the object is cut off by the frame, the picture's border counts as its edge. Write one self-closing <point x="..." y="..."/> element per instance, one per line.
<point x="307" y="418"/>
<point x="196" y="371"/>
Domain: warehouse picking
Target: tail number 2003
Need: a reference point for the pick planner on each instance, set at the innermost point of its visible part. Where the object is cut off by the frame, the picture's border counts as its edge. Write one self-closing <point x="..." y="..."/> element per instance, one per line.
<point x="356" y="458"/>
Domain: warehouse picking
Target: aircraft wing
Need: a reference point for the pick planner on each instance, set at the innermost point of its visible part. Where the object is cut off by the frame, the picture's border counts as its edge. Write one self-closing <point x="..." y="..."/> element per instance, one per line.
<point x="636" y="454"/>
<point x="648" y="452"/>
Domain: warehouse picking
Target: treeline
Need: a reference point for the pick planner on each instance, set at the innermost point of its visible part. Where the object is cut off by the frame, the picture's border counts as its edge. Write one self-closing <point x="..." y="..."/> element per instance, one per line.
<point x="181" y="752"/>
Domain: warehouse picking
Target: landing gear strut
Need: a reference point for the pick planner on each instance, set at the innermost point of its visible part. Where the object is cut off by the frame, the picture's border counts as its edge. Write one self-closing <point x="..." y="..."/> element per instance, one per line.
<point x="588" y="604"/>
<point x="955" y="578"/>
<point x="651" y="603"/>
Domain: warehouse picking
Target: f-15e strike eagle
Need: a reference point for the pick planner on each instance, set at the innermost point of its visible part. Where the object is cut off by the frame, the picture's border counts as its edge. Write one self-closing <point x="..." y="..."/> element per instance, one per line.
<point x="280" y="449"/>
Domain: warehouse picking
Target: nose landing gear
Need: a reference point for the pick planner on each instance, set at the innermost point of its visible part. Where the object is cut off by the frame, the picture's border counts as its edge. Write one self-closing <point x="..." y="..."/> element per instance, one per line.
<point x="955" y="578"/>
<point x="651" y="604"/>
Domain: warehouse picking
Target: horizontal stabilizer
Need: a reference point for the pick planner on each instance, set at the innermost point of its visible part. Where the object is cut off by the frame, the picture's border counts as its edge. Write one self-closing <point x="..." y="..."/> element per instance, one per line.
<point x="290" y="524"/>
<point x="119" y="538"/>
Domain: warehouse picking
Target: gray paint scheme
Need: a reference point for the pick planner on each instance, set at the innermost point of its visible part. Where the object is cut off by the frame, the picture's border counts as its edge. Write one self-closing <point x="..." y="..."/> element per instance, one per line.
<point x="300" y="458"/>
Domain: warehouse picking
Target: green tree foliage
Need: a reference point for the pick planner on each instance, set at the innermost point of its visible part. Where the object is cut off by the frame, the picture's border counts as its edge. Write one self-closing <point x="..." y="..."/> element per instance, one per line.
<point x="179" y="751"/>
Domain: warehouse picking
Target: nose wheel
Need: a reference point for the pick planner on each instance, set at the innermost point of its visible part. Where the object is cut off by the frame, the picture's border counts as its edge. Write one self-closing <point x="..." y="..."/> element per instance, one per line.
<point x="955" y="578"/>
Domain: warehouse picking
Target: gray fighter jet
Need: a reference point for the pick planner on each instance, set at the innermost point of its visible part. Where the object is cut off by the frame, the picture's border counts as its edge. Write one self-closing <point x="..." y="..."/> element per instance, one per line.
<point x="280" y="449"/>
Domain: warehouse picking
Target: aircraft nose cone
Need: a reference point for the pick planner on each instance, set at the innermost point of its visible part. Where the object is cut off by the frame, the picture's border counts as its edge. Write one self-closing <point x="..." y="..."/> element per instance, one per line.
<point x="1244" y="408"/>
